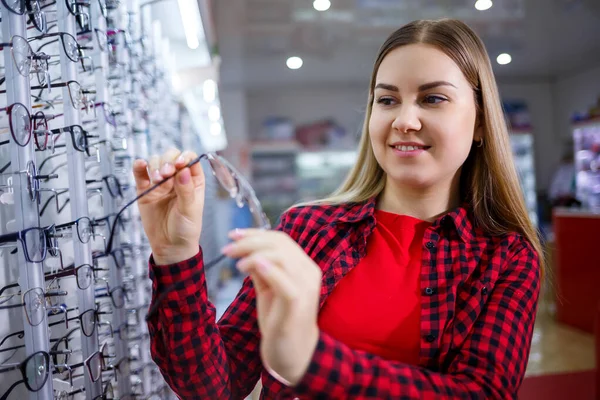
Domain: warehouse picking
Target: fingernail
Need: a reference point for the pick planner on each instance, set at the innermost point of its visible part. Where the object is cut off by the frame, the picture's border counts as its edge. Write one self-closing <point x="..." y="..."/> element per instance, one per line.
<point x="228" y="248"/>
<point x="180" y="159"/>
<point x="166" y="169"/>
<point x="156" y="176"/>
<point x="236" y="233"/>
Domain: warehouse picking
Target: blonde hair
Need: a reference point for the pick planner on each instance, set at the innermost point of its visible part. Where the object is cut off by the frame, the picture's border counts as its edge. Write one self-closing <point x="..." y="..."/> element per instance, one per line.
<point x="489" y="180"/>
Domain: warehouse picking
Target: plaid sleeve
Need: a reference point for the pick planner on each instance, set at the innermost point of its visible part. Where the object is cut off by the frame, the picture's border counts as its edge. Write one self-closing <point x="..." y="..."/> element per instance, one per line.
<point x="198" y="357"/>
<point x="490" y="364"/>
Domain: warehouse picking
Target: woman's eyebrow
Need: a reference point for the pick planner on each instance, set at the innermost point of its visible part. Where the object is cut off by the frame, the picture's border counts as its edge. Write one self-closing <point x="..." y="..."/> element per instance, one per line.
<point x="431" y="85"/>
<point x="422" y="88"/>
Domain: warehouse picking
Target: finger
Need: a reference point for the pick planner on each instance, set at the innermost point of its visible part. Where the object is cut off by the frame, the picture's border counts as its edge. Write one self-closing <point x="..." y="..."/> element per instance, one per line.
<point x="260" y="285"/>
<point x="238" y="233"/>
<point x="184" y="159"/>
<point x="272" y="256"/>
<point x="140" y="175"/>
<point x="187" y="193"/>
<point x="276" y="279"/>
<point x="167" y="162"/>
<point x="153" y="167"/>
<point x="249" y="244"/>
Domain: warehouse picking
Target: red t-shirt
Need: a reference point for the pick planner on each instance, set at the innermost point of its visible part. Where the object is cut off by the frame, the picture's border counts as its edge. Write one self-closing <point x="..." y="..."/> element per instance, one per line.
<point x="376" y="307"/>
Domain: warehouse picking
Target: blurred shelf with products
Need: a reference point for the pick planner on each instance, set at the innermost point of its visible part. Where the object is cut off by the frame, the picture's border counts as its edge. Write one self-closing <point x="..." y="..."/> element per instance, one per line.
<point x="586" y="140"/>
<point x="299" y="163"/>
<point x="522" y="148"/>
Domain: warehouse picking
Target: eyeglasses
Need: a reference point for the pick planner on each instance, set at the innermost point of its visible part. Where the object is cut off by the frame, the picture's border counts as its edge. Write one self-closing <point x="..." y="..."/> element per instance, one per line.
<point x="72" y="49"/>
<point x="24" y="58"/>
<point x="34" y="302"/>
<point x="84" y="227"/>
<point x="112" y="183"/>
<point x="39" y="17"/>
<point x="84" y="273"/>
<point x="117" y="295"/>
<point x="34" y="370"/>
<point x="35" y="242"/>
<point x="77" y="95"/>
<point x="79" y="137"/>
<point x="19" y="121"/>
<point x="94" y="364"/>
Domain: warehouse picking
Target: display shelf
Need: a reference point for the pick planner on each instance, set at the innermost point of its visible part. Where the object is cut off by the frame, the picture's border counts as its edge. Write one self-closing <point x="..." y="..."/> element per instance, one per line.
<point x="586" y="140"/>
<point x="522" y="147"/>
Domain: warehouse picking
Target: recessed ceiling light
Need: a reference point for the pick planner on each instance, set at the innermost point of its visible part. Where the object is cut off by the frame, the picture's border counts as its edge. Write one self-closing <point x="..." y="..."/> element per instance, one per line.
<point x="215" y="129"/>
<point x="294" y="62"/>
<point x="214" y="113"/>
<point x="483" y="5"/>
<point x="322" y="5"/>
<point x="504" y="59"/>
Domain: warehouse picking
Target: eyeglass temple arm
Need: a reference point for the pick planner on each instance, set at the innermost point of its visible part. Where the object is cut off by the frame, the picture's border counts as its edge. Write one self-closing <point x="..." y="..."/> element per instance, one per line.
<point x="19" y="334"/>
<point x="12" y="285"/>
<point x="49" y="158"/>
<point x="10" y="389"/>
<point x="9" y="237"/>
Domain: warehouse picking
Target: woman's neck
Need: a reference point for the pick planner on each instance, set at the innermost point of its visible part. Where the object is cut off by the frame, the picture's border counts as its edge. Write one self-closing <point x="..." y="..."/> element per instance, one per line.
<point x="425" y="204"/>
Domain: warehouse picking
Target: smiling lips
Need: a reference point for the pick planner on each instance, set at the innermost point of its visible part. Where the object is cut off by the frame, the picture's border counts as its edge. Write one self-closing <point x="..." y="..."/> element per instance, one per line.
<point x="409" y="146"/>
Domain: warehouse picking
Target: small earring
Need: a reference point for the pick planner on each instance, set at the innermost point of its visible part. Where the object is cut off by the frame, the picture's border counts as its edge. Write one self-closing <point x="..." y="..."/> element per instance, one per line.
<point x="480" y="143"/>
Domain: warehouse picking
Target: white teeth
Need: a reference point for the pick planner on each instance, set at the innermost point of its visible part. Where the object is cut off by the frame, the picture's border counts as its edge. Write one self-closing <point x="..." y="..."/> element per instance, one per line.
<point x="408" y="148"/>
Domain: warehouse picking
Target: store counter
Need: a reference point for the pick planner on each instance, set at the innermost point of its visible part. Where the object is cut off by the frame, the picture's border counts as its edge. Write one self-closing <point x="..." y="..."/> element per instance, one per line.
<point x="577" y="266"/>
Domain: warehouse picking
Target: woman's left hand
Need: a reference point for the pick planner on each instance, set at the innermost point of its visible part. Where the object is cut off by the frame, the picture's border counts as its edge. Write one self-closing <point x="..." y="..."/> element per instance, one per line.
<point x="287" y="284"/>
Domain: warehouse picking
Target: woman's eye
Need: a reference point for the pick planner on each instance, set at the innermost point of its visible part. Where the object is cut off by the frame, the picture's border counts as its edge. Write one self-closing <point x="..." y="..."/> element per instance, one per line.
<point x="434" y="99"/>
<point x="386" y="101"/>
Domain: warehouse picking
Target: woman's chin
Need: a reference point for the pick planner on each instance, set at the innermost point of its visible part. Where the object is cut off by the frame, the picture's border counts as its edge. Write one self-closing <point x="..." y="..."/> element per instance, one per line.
<point x="412" y="181"/>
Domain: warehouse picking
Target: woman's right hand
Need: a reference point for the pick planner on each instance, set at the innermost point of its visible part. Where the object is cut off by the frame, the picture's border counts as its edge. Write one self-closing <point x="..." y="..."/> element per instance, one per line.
<point x="172" y="213"/>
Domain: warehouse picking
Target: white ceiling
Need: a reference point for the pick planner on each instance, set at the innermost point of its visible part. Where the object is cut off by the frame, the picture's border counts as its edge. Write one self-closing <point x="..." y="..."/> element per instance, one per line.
<point x="546" y="38"/>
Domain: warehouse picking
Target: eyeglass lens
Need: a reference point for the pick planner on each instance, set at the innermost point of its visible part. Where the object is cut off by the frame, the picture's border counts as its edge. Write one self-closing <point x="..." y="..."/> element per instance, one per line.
<point x="36" y="371"/>
<point x="20" y="124"/>
<point x="34" y="302"/>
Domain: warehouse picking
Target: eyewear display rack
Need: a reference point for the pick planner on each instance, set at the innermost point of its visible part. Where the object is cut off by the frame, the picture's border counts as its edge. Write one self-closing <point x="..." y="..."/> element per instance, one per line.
<point x="73" y="298"/>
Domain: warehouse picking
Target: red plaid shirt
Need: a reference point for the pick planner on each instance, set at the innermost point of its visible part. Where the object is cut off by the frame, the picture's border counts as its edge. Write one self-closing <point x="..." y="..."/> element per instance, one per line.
<point x="479" y="300"/>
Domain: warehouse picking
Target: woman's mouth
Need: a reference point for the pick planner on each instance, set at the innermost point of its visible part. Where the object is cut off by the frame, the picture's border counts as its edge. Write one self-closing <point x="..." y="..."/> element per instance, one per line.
<point x="409" y="150"/>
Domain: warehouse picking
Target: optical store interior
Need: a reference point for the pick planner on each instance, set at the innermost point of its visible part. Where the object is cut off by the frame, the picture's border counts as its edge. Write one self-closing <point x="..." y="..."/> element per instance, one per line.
<point x="279" y="90"/>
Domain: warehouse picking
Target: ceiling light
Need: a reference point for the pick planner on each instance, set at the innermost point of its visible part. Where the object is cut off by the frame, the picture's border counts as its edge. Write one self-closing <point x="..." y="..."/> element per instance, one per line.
<point x="209" y="90"/>
<point x="188" y="10"/>
<point x="483" y="5"/>
<point x="294" y="62"/>
<point x="215" y="129"/>
<point x="504" y="59"/>
<point x="322" y="5"/>
<point x="214" y="113"/>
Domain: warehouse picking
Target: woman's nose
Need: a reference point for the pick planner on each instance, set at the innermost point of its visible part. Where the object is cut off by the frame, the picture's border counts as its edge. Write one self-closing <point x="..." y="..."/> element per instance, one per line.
<point x="407" y="119"/>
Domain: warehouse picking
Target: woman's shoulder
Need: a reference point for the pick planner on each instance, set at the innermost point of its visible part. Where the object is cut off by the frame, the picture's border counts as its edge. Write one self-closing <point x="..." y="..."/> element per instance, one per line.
<point x="311" y="217"/>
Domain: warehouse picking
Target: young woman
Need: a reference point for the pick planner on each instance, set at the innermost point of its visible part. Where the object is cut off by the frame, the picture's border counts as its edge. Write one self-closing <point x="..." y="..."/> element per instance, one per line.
<point x="419" y="278"/>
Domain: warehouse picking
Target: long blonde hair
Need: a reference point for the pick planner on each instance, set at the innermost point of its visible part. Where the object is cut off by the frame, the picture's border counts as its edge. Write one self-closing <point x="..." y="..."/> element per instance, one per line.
<point x="489" y="180"/>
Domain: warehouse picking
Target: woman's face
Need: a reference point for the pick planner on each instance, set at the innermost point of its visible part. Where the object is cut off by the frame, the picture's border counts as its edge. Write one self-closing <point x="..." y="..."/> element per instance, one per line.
<point x="422" y="124"/>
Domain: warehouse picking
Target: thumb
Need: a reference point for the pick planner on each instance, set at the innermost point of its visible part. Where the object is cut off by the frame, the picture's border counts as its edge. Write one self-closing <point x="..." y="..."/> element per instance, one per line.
<point x="185" y="190"/>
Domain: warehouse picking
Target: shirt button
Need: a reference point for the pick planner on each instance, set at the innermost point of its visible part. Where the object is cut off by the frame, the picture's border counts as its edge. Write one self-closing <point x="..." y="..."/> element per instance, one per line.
<point x="430" y="338"/>
<point x="429" y="291"/>
<point x="430" y="245"/>
<point x="484" y="291"/>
